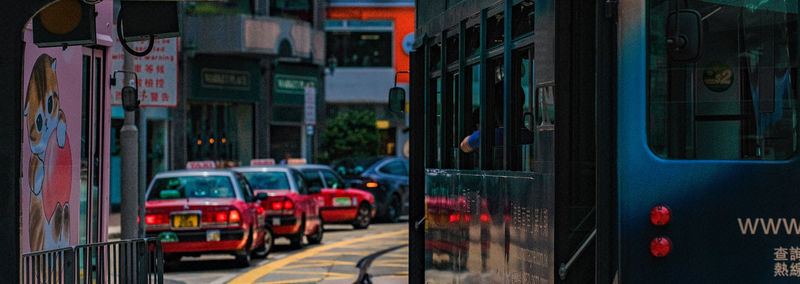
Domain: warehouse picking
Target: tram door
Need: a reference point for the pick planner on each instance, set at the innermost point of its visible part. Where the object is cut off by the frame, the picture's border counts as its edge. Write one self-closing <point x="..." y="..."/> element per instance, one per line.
<point x="708" y="142"/>
<point x="93" y="145"/>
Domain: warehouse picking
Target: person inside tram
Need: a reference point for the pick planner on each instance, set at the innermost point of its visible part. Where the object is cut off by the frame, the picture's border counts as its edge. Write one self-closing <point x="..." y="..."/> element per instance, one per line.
<point x="473" y="141"/>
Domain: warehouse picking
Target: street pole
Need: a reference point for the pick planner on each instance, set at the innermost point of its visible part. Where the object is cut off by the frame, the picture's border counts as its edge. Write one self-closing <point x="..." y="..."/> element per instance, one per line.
<point x="129" y="152"/>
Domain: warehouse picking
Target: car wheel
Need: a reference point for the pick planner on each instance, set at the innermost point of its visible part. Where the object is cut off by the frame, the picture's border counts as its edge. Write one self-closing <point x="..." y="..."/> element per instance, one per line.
<point x="363" y="216"/>
<point x="316" y="238"/>
<point x="393" y="212"/>
<point x="263" y="250"/>
<point x="296" y="241"/>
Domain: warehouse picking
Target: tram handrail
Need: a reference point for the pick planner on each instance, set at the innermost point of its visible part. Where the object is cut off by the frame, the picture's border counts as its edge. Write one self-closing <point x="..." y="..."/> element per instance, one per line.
<point x="564" y="269"/>
<point x="124" y="261"/>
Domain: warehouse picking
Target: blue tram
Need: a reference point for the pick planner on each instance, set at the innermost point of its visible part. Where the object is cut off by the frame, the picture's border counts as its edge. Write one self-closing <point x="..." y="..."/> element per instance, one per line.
<point x="606" y="141"/>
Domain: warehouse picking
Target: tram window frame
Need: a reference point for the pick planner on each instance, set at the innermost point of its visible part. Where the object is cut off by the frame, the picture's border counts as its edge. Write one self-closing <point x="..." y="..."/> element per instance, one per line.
<point x="699" y="127"/>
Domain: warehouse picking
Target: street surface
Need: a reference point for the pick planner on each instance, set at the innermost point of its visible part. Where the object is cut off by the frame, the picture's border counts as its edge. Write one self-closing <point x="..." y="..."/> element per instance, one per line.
<point x="333" y="261"/>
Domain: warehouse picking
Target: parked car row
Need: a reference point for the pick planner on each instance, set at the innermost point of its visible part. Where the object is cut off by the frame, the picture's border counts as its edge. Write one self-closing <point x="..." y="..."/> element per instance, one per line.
<point x="241" y="211"/>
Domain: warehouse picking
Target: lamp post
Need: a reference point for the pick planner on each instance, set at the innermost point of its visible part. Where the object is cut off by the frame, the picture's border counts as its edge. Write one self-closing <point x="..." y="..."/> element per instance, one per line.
<point x="129" y="154"/>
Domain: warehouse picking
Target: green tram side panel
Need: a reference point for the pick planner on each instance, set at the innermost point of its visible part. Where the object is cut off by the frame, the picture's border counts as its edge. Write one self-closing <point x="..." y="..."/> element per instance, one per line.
<point x="490" y="226"/>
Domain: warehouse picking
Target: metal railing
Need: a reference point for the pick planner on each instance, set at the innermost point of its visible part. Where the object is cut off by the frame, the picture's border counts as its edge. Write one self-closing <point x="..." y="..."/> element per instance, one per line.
<point x="126" y="261"/>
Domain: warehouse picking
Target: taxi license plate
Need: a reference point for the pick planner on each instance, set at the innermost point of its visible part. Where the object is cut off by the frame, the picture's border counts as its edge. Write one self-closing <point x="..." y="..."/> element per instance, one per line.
<point x="185" y="221"/>
<point x="341" y="201"/>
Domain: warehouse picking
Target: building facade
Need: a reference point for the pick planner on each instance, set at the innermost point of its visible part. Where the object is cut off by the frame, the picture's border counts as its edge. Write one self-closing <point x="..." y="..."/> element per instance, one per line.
<point x="367" y="42"/>
<point x="248" y="67"/>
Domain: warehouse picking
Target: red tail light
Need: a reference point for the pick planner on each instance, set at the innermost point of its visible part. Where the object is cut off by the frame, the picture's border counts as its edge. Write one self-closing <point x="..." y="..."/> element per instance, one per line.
<point x="277" y="205"/>
<point x="466" y="218"/>
<point x="221" y="217"/>
<point x="660" y="215"/>
<point x="234" y="217"/>
<point x="454" y="218"/>
<point x="485" y="218"/>
<point x="288" y="205"/>
<point x="156" y="219"/>
<point x="660" y="246"/>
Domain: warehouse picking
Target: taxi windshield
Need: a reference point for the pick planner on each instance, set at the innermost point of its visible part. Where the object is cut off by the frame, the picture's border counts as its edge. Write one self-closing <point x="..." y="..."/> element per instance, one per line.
<point x="267" y="180"/>
<point x="192" y="187"/>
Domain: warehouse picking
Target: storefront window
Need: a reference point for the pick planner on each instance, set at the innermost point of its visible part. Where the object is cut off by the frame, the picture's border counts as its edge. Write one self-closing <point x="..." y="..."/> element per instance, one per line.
<point x="220" y="132"/>
<point x="295" y="9"/>
<point x="359" y="43"/>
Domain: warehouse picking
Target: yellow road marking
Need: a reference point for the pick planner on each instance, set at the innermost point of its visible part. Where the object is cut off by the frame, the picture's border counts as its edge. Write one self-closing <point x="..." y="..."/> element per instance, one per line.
<point x="307" y="264"/>
<point x="322" y="273"/>
<point x="336" y="253"/>
<point x="253" y="275"/>
<point x="306" y="280"/>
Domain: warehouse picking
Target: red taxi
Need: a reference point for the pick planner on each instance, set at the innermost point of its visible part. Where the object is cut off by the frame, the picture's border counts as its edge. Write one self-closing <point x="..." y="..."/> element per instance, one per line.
<point x="339" y="204"/>
<point x="290" y="208"/>
<point x="206" y="211"/>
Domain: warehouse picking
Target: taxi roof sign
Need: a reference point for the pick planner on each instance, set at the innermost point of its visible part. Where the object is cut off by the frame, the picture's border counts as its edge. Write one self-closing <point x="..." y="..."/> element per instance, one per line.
<point x="296" y="161"/>
<point x="262" y="162"/>
<point x="201" y="165"/>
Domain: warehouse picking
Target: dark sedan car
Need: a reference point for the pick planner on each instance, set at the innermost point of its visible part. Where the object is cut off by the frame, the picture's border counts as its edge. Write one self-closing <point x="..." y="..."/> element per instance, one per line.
<point x="385" y="177"/>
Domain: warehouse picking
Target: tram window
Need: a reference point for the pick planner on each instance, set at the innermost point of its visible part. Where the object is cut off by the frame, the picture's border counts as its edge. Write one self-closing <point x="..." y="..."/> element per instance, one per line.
<point x="452" y="49"/>
<point x="523" y="79"/>
<point x="523" y="18"/>
<point x="494" y="30"/>
<point x="739" y="100"/>
<point x="436" y="56"/>
<point x="451" y="121"/>
<point x="470" y="118"/>
<point x="473" y="40"/>
<point x="494" y="111"/>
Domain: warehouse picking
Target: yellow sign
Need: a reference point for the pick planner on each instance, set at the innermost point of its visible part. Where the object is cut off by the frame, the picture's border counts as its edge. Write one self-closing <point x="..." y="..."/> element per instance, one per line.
<point x="382" y="124"/>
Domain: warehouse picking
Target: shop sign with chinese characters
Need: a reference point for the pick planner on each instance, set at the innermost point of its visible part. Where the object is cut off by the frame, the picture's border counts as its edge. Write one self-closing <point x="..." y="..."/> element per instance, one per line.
<point x="787" y="262"/>
<point x="157" y="72"/>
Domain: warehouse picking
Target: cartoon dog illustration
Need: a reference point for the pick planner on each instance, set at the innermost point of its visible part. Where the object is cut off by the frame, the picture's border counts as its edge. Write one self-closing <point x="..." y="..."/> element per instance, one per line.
<point x="50" y="166"/>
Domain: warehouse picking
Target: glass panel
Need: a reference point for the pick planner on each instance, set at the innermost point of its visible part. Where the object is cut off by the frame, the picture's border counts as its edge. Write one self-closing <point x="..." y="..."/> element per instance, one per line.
<point x="435" y="57"/>
<point x="738" y="100"/>
<point x="85" y="126"/>
<point x="359" y="48"/>
<point x="295" y="9"/>
<point x="523" y="18"/>
<point x="495" y="111"/>
<point x="283" y="141"/>
<point x="302" y="184"/>
<point x="439" y="129"/>
<point x="332" y="180"/>
<point x="452" y="49"/>
<point x="192" y="187"/>
<point x="451" y="125"/>
<point x="523" y="79"/>
<point x="369" y="23"/>
<point x="494" y="30"/>
<point x="473" y="40"/>
<point x="220" y="131"/>
<point x="97" y="151"/>
<point x="471" y="120"/>
<point x="314" y="179"/>
<point x="267" y="180"/>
